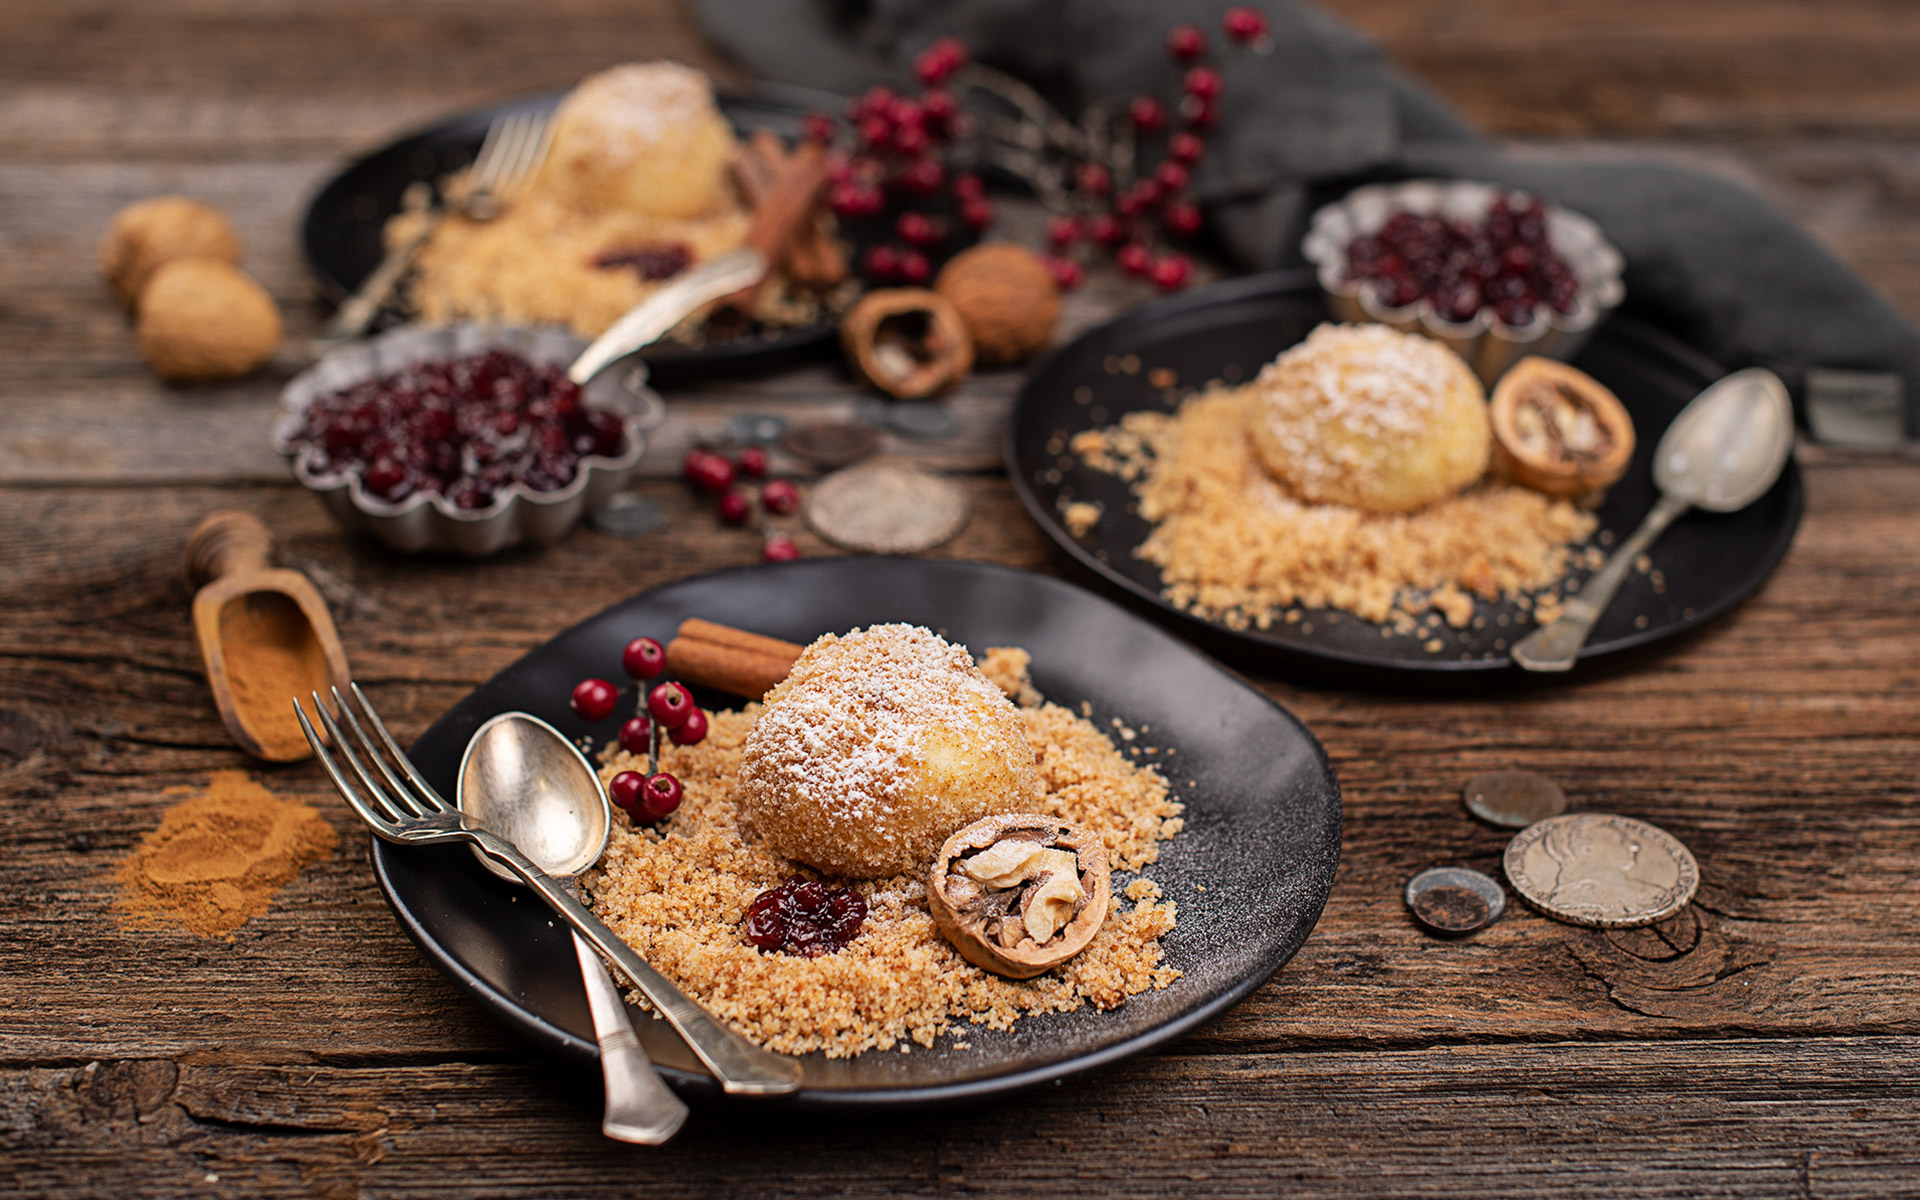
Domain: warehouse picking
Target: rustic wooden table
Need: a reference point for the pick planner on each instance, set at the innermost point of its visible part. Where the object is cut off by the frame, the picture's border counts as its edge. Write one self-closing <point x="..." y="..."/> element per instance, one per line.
<point x="1763" y="1042"/>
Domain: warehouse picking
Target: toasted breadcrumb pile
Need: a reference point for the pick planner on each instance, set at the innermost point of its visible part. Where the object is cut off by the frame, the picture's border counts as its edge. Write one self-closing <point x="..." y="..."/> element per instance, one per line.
<point x="679" y="892"/>
<point x="1235" y="546"/>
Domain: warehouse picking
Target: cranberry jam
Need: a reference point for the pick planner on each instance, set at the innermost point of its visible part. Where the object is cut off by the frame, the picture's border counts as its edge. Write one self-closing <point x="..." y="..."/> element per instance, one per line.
<point x="804" y="918"/>
<point x="1503" y="262"/>
<point x="464" y="429"/>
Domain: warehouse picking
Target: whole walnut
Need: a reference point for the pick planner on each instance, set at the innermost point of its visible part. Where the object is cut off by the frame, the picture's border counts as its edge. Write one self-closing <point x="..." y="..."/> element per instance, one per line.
<point x="148" y="234"/>
<point x="203" y="319"/>
<point x="1006" y="297"/>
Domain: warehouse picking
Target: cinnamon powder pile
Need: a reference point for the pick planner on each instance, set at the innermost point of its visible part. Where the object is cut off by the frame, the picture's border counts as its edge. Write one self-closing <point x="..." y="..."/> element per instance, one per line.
<point x="218" y="858"/>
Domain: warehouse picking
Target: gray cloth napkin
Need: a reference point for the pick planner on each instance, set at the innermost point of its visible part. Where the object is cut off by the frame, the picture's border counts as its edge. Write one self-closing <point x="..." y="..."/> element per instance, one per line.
<point x="1707" y="260"/>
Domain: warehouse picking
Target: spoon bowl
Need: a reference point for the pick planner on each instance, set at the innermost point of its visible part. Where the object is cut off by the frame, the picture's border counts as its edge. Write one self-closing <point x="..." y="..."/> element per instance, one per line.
<point x="1729" y="445"/>
<point x="522" y="779"/>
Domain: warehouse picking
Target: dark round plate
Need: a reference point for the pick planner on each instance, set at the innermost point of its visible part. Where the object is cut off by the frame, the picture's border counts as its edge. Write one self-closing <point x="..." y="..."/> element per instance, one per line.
<point x="1708" y="562"/>
<point x="341" y="230"/>
<point x="1250" y="872"/>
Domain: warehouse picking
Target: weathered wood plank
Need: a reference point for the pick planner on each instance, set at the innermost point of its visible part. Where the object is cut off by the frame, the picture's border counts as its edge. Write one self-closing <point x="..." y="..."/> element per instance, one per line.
<point x="1816" y="1117"/>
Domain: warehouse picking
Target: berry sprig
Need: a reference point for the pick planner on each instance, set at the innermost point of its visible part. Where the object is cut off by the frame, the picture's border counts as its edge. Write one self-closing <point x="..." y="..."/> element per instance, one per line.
<point x="650" y="797"/>
<point x="1119" y="179"/>
<point x="737" y="482"/>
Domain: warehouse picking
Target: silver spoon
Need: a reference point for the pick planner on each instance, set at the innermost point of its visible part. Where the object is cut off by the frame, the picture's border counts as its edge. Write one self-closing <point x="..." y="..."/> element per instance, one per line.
<point x="1721" y="453"/>
<point x="524" y="781"/>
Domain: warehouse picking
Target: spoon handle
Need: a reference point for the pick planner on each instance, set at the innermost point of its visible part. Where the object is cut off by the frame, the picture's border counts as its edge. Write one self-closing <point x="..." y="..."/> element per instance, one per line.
<point x="640" y="1106"/>
<point x="1555" y="647"/>
<point x="741" y="1067"/>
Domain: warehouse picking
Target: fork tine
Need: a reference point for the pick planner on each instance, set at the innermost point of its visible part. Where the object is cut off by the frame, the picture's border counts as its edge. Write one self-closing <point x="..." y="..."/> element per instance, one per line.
<point x="512" y="148"/>
<point x="346" y="750"/>
<point x="421" y="786"/>
<point x="502" y="136"/>
<point x="379" y="824"/>
<point x="400" y="789"/>
<point x="489" y="146"/>
<point x="536" y="154"/>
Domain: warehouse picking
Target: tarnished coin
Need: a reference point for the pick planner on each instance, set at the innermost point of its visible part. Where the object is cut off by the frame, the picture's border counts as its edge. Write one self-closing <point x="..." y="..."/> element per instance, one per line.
<point x="924" y="420"/>
<point x="1602" y="870"/>
<point x="760" y="428"/>
<point x="886" y="508"/>
<point x="628" y="514"/>
<point x="831" y="444"/>
<point x="1514" y="799"/>
<point x="1455" y="900"/>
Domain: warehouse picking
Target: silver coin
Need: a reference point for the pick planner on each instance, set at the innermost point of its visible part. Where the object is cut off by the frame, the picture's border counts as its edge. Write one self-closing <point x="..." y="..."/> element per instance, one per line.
<point x="1601" y="870"/>
<point x="886" y="508"/>
<point x="628" y="514"/>
<point x="922" y="420"/>
<point x="1514" y="799"/>
<point x="1454" y="900"/>
<point x="760" y="428"/>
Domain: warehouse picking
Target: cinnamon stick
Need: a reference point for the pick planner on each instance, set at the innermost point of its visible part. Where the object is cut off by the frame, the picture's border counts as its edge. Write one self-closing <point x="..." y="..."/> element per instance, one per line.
<point x="728" y="659"/>
<point x="784" y="209"/>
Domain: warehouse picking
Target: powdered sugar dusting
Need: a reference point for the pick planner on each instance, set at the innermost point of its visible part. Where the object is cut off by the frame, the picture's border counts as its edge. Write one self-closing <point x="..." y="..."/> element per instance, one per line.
<point x="833" y="769"/>
<point x="635" y="106"/>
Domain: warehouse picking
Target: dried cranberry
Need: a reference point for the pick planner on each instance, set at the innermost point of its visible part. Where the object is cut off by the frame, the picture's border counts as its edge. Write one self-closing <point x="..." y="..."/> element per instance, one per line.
<point x="805" y="918"/>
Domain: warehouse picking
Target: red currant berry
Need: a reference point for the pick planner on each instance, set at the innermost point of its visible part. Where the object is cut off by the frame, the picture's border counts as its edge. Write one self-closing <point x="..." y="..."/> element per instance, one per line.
<point x="1200" y="114"/>
<point x="1147" y="114"/>
<point x="1170" y="272"/>
<point x="636" y="735"/>
<point x="735" y="508"/>
<point x="1185" y="149"/>
<point x="669" y="704"/>
<point x="1065" y="272"/>
<point x="968" y="186"/>
<point x="660" y="795"/>
<point x="915" y="268"/>
<point x="708" y="471"/>
<point x="1186" y="43"/>
<point x="910" y="140"/>
<point x="1094" y="179"/>
<point x="690" y="731"/>
<point x="593" y="699"/>
<point x="978" y="214"/>
<point x="1203" y="83"/>
<point x="644" y="658"/>
<point x="937" y="111"/>
<point x="1244" y="25"/>
<point x="939" y="61"/>
<point x="881" y="263"/>
<point x="923" y="177"/>
<point x="779" y="548"/>
<point x="625" y="790"/>
<point x="1063" y="231"/>
<point x="1106" y="229"/>
<point x="780" y="496"/>
<point x="917" y="229"/>
<point x="1182" y="219"/>
<point x="1171" y="176"/>
<point x="875" y="132"/>
<point x="1133" y="259"/>
<point x="818" y="127"/>
<point x="752" y="462"/>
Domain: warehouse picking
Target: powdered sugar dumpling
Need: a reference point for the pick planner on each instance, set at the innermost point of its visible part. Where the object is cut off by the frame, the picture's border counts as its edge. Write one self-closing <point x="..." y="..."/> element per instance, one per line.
<point x="1369" y="417"/>
<point x="876" y="747"/>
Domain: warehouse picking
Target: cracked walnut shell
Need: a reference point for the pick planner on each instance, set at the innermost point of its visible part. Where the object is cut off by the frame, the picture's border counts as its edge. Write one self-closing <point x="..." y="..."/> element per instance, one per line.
<point x="1019" y="893"/>
<point x="908" y="342"/>
<point x="1558" y="430"/>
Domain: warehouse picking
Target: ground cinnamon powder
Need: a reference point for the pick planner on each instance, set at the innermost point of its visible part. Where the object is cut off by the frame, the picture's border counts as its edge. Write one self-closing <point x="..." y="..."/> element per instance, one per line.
<point x="272" y="657"/>
<point x="218" y="858"/>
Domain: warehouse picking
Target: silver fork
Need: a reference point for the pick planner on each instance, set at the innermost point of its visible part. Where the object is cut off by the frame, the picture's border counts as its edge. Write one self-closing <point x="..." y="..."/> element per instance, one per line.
<point x="516" y="144"/>
<point x="410" y="812"/>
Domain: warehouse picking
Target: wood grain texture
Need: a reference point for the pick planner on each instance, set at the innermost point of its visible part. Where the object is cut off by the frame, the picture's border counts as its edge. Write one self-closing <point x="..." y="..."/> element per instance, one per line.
<point x="1761" y="1043"/>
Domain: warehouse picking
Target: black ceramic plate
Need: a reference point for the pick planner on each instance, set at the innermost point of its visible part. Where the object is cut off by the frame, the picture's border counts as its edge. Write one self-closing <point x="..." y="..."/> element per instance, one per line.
<point x="1708" y="563"/>
<point x="341" y="231"/>
<point x="1262" y="832"/>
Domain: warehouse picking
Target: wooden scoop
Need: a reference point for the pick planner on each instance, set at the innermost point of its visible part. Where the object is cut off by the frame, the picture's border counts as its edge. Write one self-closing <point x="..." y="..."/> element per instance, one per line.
<point x="265" y="635"/>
